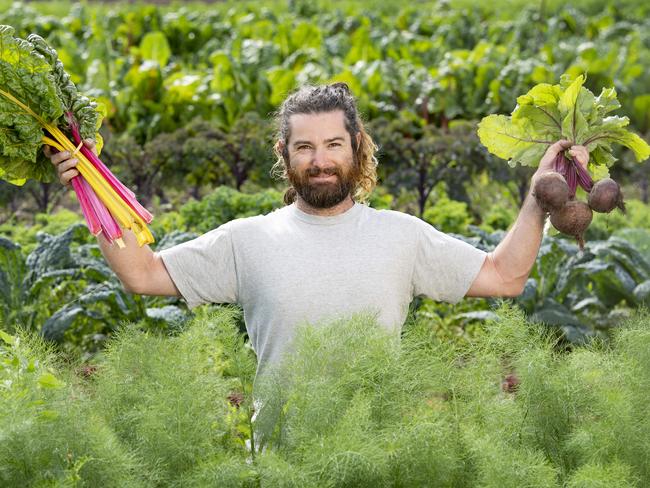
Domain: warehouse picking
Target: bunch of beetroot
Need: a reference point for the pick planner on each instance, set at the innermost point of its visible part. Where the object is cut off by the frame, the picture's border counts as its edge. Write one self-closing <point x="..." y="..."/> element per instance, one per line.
<point x="569" y="111"/>
<point x="555" y="193"/>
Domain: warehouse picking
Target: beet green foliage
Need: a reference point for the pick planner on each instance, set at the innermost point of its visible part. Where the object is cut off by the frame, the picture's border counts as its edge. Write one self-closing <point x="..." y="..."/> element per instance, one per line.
<point x="353" y="406"/>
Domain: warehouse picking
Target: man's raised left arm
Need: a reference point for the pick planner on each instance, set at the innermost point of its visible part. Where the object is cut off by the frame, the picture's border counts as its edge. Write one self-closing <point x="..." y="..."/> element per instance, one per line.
<point x="506" y="269"/>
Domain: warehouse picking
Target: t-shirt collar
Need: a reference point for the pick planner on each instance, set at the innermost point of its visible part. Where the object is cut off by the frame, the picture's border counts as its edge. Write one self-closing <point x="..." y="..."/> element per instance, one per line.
<point x="346" y="216"/>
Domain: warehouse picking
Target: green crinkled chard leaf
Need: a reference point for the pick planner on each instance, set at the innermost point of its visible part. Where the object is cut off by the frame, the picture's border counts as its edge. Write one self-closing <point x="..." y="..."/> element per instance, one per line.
<point x="32" y="78"/>
<point x="84" y="110"/>
<point x="548" y="113"/>
<point x="24" y="75"/>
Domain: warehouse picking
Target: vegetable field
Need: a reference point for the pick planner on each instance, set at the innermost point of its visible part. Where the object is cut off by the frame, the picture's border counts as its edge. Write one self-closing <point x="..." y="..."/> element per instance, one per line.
<point x="99" y="387"/>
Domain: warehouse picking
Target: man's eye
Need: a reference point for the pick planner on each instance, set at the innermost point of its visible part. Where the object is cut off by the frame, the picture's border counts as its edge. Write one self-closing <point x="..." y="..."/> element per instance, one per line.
<point x="303" y="147"/>
<point x="335" y="144"/>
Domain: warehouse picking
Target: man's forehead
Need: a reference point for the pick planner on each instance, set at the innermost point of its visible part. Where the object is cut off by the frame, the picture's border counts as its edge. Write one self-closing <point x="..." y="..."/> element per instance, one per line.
<point x="322" y="125"/>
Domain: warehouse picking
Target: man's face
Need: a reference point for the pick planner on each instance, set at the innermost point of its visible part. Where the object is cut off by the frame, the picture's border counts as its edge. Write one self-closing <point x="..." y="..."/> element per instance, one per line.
<point x="321" y="163"/>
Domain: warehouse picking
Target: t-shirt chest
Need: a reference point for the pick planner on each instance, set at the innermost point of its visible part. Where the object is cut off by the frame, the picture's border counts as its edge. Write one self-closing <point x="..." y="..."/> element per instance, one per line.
<point x="325" y="264"/>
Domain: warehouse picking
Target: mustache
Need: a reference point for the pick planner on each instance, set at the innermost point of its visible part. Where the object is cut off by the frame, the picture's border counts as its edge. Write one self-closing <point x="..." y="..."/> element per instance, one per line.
<point x="314" y="171"/>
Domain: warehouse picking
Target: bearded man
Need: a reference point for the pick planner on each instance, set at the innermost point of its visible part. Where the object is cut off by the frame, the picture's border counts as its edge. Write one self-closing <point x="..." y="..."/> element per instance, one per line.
<point x="326" y="254"/>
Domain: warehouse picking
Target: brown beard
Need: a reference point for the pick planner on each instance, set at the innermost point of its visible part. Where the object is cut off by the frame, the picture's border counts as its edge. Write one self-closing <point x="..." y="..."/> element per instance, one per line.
<point x="323" y="195"/>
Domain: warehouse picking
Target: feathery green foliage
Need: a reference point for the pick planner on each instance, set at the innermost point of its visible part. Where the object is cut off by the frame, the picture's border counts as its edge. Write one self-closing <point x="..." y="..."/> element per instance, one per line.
<point x="351" y="406"/>
<point x="50" y="435"/>
<point x="166" y="398"/>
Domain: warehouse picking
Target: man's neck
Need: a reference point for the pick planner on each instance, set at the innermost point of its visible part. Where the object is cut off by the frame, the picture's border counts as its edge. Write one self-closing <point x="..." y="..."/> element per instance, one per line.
<point x="337" y="209"/>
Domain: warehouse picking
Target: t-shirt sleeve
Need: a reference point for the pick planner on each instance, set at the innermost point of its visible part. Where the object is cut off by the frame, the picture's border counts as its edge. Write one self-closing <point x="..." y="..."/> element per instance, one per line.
<point x="445" y="267"/>
<point x="204" y="269"/>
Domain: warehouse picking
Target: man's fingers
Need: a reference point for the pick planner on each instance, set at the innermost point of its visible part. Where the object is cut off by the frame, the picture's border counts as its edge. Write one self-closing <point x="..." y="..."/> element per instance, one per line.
<point x="90" y="144"/>
<point x="558" y="146"/>
<point x="66" y="165"/>
<point x="67" y="176"/>
<point x="580" y="154"/>
<point x="59" y="157"/>
<point x="67" y="170"/>
<point x="47" y="150"/>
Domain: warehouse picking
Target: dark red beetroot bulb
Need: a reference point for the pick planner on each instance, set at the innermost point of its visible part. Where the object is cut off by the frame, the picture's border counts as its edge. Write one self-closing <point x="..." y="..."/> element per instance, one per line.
<point x="551" y="191"/>
<point x="605" y="196"/>
<point x="573" y="219"/>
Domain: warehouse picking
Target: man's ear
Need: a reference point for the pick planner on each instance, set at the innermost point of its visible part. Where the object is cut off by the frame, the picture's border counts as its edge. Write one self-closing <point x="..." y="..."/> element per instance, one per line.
<point x="281" y="148"/>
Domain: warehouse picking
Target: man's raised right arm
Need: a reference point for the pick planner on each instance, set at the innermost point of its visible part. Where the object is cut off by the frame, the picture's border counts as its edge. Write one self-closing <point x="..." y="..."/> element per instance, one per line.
<point x="140" y="270"/>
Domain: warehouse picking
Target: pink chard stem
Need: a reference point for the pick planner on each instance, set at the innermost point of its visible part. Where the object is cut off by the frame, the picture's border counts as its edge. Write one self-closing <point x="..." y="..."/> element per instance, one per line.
<point x="89" y="212"/>
<point x="127" y="195"/>
<point x="109" y="226"/>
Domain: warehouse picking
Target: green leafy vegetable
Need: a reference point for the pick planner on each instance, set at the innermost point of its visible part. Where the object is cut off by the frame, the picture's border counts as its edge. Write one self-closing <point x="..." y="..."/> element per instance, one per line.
<point x="33" y="85"/>
<point x="548" y="113"/>
<point x="26" y="75"/>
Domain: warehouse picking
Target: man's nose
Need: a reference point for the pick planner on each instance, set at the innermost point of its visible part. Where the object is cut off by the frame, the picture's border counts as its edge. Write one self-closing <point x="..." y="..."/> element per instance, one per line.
<point x="320" y="158"/>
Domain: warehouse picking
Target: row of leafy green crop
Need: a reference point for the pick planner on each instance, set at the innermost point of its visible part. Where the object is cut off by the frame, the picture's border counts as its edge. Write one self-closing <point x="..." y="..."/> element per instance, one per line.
<point x="352" y="407"/>
<point x="417" y="73"/>
<point x="156" y="69"/>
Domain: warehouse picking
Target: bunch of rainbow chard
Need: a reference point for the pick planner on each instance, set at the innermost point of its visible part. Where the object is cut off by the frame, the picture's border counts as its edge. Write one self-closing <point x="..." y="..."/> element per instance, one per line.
<point x="549" y="113"/>
<point x="39" y="105"/>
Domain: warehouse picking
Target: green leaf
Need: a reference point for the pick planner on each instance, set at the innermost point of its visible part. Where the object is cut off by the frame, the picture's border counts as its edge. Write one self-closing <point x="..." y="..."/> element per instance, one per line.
<point x="642" y="291"/>
<point x="554" y="313"/>
<point x="545" y="119"/>
<point x="155" y="47"/>
<point x="542" y="95"/>
<point x="55" y="326"/>
<point x="48" y="380"/>
<point x="575" y="106"/>
<point x="639" y="147"/>
<point x="641" y="113"/>
<point x="24" y="75"/>
<point x="514" y="140"/>
<point x="84" y="110"/>
<point x="548" y="113"/>
<point x="9" y="339"/>
<point x="283" y="81"/>
<point x="599" y="162"/>
<point x="223" y="78"/>
<point x="569" y="98"/>
<point x="607" y="102"/>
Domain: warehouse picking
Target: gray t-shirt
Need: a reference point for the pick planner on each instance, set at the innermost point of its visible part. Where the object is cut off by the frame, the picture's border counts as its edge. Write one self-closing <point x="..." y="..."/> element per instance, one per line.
<point x="289" y="268"/>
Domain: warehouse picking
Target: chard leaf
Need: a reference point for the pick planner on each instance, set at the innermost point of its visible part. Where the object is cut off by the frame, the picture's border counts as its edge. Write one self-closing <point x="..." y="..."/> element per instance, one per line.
<point x="84" y="110"/>
<point x="155" y="47"/>
<point x="24" y="75"/>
